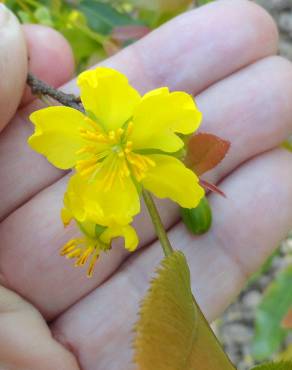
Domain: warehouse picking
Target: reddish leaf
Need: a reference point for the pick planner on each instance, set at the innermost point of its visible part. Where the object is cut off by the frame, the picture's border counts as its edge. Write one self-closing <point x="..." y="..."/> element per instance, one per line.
<point x="287" y="321"/>
<point x="208" y="186"/>
<point x="205" y="151"/>
<point x="126" y="33"/>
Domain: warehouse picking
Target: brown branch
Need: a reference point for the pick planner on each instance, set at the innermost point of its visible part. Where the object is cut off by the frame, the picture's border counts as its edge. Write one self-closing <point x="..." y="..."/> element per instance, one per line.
<point x="39" y="87"/>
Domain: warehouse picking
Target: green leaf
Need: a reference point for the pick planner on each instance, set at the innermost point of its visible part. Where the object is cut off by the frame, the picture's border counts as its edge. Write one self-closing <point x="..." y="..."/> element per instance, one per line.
<point x="82" y="45"/>
<point x="43" y="16"/>
<point x="275" y="366"/>
<point x="56" y="6"/>
<point x="103" y="18"/>
<point x="172" y="333"/>
<point x="25" y="17"/>
<point x="198" y="220"/>
<point x="84" y="42"/>
<point x="276" y="302"/>
<point x="203" y="2"/>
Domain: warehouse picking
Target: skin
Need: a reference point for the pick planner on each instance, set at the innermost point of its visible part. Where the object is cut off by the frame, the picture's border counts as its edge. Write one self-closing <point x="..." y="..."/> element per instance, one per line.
<point x="224" y="54"/>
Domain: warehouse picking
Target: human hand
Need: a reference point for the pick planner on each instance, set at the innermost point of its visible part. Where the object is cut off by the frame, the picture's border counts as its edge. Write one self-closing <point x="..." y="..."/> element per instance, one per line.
<point x="224" y="55"/>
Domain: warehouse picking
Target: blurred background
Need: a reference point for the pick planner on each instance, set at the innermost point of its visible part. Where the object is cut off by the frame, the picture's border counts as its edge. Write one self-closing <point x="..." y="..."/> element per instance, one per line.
<point x="258" y="326"/>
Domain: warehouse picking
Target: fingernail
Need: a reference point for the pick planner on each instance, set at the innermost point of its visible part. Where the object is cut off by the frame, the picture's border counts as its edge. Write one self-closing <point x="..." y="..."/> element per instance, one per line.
<point x="4" y="14"/>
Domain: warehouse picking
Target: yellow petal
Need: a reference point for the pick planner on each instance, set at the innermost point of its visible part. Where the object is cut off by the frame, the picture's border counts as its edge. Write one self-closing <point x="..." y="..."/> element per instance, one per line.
<point x="171" y="179"/>
<point x="160" y="115"/>
<point x="107" y="96"/>
<point x="90" y="201"/>
<point x="120" y="203"/>
<point x="79" y="201"/>
<point x="66" y="216"/>
<point x="57" y="135"/>
<point x="127" y="232"/>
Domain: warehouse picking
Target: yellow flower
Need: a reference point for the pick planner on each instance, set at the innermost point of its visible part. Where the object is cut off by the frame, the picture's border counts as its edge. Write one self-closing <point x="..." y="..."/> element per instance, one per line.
<point x="98" y="230"/>
<point x="123" y="143"/>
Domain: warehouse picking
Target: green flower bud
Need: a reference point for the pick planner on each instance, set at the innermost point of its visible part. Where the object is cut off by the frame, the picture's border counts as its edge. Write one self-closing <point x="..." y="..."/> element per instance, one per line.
<point x="198" y="220"/>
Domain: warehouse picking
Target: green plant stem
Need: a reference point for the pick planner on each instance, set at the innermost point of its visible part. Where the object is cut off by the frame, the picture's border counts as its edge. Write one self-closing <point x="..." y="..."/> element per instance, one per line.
<point x="156" y="220"/>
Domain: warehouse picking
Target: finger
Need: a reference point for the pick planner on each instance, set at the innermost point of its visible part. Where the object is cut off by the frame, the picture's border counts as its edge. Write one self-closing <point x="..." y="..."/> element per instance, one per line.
<point x="25" y="339"/>
<point x="13" y="64"/>
<point x="240" y="118"/>
<point x="220" y="263"/>
<point x="197" y="63"/>
<point x="256" y="118"/>
<point x="47" y="49"/>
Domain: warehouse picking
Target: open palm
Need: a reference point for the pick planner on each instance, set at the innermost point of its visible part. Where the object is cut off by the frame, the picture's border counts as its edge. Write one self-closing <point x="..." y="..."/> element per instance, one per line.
<point x="224" y="54"/>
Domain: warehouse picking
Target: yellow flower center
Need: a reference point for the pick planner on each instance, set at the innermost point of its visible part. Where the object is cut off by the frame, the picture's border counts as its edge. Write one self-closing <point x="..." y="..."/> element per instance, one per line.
<point x="112" y="155"/>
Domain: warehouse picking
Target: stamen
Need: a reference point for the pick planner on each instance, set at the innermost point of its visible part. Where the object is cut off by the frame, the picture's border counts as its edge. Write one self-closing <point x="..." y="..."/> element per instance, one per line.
<point x="92" y="265"/>
<point x="120" y="132"/>
<point x="90" y="136"/>
<point x="76" y="253"/>
<point x="138" y="174"/>
<point x="111" y="174"/>
<point x="83" y="249"/>
<point x="86" y="166"/>
<point x="129" y="147"/>
<point x="125" y="169"/>
<point x="87" y="149"/>
<point x="149" y="161"/>
<point x="139" y="165"/>
<point x="84" y="257"/>
<point x="112" y="136"/>
<point x="129" y="128"/>
<point x="119" y="156"/>
<point x="92" y="123"/>
<point x="68" y="247"/>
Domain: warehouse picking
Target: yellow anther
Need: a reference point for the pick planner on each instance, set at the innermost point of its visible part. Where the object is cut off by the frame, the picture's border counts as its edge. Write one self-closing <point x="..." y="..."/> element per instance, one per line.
<point x="101" y="138"/>
<point x="128" y="147"/>
<point x="86" y="149"/>
<point x="92" y="123"/>
<point x="68" y="247"/>
<point x="92" y="265"/>
<point x="112" y="135"/>
<point x="120" y="131"/>
<point x="89" y="135"/>
<point x="86" y="163"/>
<point x="83" y="250"/>
<point x="129" y="128"/>
<point x="86" y="166"/>
<point x="84" y="257"/>
<point x="139" y="164"/>
<point x="74" y="254"/>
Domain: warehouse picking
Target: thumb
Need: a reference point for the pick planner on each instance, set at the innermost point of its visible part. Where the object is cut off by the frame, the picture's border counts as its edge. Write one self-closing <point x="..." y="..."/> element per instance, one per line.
<point x="13" y="64"/>
<point x="25" y="339"/>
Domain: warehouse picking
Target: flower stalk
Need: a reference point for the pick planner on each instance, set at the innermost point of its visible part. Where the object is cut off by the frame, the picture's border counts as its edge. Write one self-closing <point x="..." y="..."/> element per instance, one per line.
<point x="157" y="223"/>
